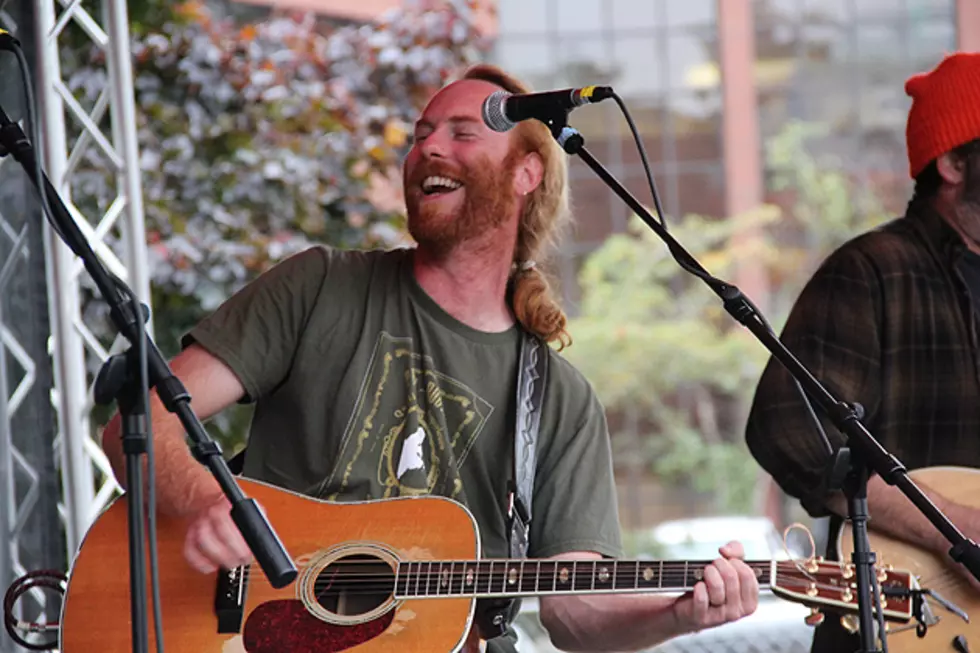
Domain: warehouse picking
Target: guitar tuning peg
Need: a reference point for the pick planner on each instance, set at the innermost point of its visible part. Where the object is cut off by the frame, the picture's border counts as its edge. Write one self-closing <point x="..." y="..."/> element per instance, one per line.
<point x="850" y="623"/>
<point x="815" y="618"/>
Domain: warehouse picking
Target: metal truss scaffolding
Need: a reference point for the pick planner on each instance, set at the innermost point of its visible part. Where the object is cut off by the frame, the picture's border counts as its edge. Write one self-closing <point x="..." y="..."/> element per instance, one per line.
<point x="86" y="476"/>
<point x="69" y="129"/>
<point x="30" y="528"/>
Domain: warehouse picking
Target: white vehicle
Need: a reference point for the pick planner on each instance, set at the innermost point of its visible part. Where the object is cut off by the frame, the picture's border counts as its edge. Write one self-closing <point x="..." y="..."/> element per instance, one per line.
<point x="700" y="537"/>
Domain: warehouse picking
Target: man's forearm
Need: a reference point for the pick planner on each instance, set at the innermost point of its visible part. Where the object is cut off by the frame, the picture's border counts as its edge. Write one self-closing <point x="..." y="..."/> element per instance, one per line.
<point x="183" y="485"/>
<point x="610" y="622"/>
<point x="892" y="513"/>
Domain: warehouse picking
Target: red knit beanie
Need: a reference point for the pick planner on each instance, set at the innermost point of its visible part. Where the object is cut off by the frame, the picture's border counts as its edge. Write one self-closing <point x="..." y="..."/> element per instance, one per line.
<point x="945" y="109"/>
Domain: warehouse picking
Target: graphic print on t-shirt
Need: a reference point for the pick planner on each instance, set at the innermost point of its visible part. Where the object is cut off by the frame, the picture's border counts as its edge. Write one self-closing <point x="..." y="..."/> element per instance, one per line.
<point x="411" y="457"/>
<point x="411" y="428"/>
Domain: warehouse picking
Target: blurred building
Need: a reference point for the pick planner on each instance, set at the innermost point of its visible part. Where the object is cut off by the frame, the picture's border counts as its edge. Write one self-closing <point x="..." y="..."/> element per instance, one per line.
<point x="708" y="81"/>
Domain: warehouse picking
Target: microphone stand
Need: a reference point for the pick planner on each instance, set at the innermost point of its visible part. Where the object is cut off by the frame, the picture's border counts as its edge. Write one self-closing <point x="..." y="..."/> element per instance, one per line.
<point x="850" y="467"/>
<point x="120" y="379"/>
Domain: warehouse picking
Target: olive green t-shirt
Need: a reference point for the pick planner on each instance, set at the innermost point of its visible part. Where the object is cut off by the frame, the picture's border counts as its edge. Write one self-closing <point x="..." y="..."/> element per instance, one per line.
<point x="365" y="388"/>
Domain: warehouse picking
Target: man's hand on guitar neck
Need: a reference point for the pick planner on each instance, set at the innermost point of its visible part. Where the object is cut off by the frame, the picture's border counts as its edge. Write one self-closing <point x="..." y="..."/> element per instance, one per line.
<point x="612" y="622"/>
<point x="728" y="592"/>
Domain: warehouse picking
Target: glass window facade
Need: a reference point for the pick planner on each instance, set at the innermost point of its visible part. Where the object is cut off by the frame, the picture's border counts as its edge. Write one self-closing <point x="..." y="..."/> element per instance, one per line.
<point x="843" y="64"/>
<point x="840" y="63"/>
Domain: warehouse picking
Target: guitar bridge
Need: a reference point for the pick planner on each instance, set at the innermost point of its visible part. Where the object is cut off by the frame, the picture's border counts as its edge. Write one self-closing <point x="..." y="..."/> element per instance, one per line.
<point x="229" y="599"/>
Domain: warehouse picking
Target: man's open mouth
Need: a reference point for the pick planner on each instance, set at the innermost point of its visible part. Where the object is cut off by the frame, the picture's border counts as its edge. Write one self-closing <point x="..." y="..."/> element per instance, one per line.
<point x="435" y="185"/>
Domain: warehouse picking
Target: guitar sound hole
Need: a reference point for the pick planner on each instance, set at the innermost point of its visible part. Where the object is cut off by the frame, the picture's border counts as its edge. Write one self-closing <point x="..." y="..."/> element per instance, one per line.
<point x="354" y="585"/>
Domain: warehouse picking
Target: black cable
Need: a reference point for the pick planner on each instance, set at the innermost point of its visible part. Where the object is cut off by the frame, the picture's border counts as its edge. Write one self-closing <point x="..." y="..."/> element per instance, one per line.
<point x="151" y="494"/>
<point x="46" y="578"/>
<point x="13" y="46"/>
<point x="643" y="158"/>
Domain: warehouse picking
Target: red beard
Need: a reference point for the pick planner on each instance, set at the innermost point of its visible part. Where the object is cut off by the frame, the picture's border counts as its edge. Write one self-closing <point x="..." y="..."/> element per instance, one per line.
<point x="488" y="202"/>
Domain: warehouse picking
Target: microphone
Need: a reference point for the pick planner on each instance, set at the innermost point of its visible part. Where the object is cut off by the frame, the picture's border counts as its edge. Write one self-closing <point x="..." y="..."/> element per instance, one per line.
<point x="502" y="110"/>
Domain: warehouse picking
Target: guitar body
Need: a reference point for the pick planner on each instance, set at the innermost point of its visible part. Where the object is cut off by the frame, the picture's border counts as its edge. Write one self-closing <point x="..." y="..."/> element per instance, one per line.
<point x="959" y="484"/>
<point x="392" y="575"/>
<point x="96" y="613"/>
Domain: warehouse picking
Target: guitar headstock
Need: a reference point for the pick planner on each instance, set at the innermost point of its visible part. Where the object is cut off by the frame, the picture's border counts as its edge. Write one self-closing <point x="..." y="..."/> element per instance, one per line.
<point x="817" y="583"/>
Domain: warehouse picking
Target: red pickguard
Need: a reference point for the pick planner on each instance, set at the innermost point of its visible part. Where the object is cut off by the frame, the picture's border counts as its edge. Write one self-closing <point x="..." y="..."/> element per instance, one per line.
<point x="277" y="626"/>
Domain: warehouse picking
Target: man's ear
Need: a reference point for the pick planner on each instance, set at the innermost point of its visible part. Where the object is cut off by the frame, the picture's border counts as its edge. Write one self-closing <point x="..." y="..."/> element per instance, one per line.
<point x="952" y="168"/>
<point x="529" y="173"/>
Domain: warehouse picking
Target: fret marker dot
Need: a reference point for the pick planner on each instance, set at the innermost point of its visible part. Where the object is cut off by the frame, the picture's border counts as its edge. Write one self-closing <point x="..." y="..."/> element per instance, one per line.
<point x="699" y="574"/>
<point x="603" y="575"/>
<point x="512" y="576"/>
<point x="469" y="577"/>
<point x="563" y="575"/>
<point x="648" y="574"/>
<point x="445" y="578"/>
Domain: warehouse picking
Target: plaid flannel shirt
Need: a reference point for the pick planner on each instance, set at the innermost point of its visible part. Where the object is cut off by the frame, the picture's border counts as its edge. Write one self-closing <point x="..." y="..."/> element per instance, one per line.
<point x="887" y="321"/>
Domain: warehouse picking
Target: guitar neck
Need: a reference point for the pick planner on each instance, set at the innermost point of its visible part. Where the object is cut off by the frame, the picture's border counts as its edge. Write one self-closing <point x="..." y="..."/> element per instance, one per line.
<point x="520" y="578"/>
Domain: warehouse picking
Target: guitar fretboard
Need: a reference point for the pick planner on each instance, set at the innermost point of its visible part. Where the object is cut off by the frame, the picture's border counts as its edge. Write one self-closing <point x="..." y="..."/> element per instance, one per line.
<point x="497" y="578"/>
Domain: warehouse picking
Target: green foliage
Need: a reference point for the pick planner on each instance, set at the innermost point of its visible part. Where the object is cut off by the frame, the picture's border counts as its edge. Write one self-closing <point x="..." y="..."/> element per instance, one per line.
<point x="657" y="341"/>
<point x="641" y="544"/>
<point x="825" y="209"/>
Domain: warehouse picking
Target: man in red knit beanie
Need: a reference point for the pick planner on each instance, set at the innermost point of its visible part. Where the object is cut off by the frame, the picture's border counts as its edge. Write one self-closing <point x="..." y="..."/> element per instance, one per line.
<point x="890" y="320"/>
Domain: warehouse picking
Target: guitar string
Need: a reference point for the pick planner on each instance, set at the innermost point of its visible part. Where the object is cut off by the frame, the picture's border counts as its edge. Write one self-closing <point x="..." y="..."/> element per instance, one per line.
<point x="388" y="583"/>
<point x="504" y="565"/>
<point x="387" y="589"/>
<point x="484" y="571"/>
<point x="531" y="569"/>
<point x="946" y="580"/>
<point x="502" y="570"/>
<point x="608" y="561"/>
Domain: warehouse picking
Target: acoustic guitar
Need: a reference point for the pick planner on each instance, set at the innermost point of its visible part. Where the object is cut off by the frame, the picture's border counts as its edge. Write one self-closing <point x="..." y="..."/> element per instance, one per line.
<point x="391" y="575"/>
<point x="944" y="624"/>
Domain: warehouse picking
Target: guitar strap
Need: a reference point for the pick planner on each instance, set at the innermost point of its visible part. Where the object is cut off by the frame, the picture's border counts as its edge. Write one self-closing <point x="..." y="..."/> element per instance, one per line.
<point x="493" y="616"/>
<point x="532" y="378"/>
